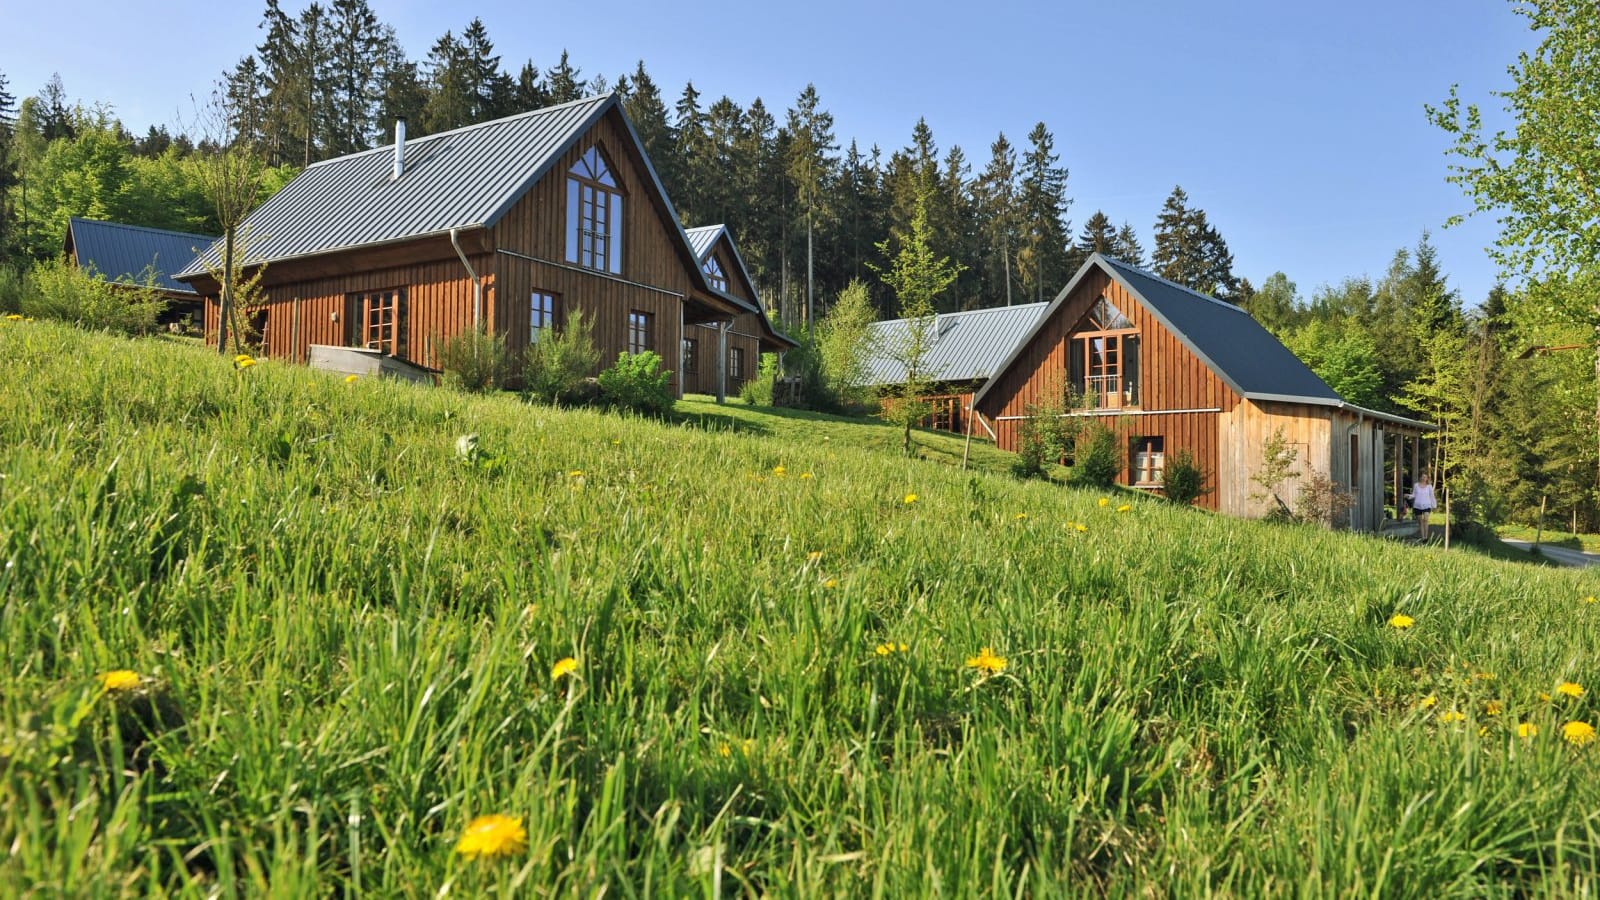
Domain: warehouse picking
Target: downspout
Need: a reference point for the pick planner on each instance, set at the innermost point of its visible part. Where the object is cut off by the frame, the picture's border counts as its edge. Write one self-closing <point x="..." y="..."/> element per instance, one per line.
<point x="477" y="286"/>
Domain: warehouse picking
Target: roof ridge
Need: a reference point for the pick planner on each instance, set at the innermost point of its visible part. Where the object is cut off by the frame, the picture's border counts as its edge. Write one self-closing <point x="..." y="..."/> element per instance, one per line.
<point x="412" y="141"/>
<point x="152" y="228"/>
<point x="1170" y="283"/>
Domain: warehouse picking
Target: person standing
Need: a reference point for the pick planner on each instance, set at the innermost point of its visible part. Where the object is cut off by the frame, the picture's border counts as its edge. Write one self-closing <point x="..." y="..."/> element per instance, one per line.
<point x="1422" y="502"/>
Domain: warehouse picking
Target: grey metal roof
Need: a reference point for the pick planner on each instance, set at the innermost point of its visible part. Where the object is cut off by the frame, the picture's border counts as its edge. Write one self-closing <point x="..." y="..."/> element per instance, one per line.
<point x="464" y="178"/>
<point x="123" y="252"/>
<point x="702" y="239"/>
<point x="966" y="345"/>
<point x="1243" y="354"/>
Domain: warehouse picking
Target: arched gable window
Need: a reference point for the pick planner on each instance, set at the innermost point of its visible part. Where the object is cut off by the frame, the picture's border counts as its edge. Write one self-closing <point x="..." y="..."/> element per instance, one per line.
<point x="594" y="214"/>
<point x="713" y="270"/>
<point x="1103" y="358"/>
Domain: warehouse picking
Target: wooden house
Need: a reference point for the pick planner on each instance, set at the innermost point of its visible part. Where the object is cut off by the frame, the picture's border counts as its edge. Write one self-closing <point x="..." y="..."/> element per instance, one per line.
<point x="510" y="225"/>
<point x="135" y="255"/>
<point x="718" y="358"/>
<point x="964" y="349"/>
<point x="1171" y="369"/>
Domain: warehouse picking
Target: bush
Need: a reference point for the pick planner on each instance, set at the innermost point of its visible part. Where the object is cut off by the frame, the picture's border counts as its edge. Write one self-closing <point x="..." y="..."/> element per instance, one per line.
<point x="59" y="290"/>
<point x="638" y="382"/>
<point x="759" y="389"/>
<point x="12" y="286"/>
<point x="1097" y="459"/>
<point x="1182" y="480"/>
<point x="555" y="366"/>
<point x="474" y="361"/>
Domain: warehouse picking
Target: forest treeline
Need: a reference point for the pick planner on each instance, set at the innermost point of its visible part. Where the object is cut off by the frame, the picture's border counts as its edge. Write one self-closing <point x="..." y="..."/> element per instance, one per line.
<point x="813" y="210"/>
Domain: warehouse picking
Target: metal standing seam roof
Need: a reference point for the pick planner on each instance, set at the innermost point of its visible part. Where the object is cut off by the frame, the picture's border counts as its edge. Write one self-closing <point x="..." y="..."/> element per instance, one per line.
<point x="966" y="345"/>
<point x="1243" y="354"/>
<point x="465" y="178"/>
<point x="123" y="252"/>
<point x="703" y="240"/>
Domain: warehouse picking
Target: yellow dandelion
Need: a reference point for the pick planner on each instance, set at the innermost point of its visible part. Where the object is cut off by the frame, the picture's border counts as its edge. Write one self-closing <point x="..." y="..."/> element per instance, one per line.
<point x="1543" y="697"/>
<point x="1591" y="599"/>
<point x="1021" y="516"/>
<point x="986" y="662"/>
<point x="118" y="680"/>
<point x="563" y="667"/>
<point x="806" y="476"/>
<point x="1453" y="716"/>
<point x="351" y="379"/>
<point x="1104" y="502"/>
<point x="1570" y="689"/>
<point x="493" y="836"/>
<point x="1401" y="620"/>
<point x="1428" y="702"/>
<point x="831" y="583"/>
<point x="910" y="499"/>
<point x="1483" y="676"/>
<point x="1578" y="734"/>
<point x="1080" y="527"/>
<point x="814" y="555"/>
<point x="779" y="471"/>
<point x="1527" y="730"/>
<point x="724" y="750"/>
<point x="1125" y="507"/>
<point x="575" y="473"/>
<point x="1493" y="708"/>
<point x="14" y="317"/>
<point x="243" y="362"/>
<point x="889" y="648"/>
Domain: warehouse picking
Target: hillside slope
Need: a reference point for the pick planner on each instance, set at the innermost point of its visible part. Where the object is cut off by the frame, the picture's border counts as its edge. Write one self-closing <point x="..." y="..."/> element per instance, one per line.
<point x="346" y="635"/>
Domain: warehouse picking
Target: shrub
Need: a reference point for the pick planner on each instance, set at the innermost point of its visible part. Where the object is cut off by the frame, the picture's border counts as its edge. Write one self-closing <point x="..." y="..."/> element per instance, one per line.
<point x="1043" y="437"/>
<point x="844" y="344"/>
<point x="637" y="382"/>
<point x="63" y="291"/>
<point x="12" y="286"/>
<point x="1097" y="459"/>
<point x="1182" y="480"/>
<point x="474" y="361"/>
<point x="555" y="366"/>
<point x="1321" y="500"/>
<point x="759" y="389"/>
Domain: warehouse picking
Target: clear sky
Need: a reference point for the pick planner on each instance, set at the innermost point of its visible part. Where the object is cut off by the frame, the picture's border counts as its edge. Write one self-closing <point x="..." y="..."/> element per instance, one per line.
<point x="1298" y="127"/>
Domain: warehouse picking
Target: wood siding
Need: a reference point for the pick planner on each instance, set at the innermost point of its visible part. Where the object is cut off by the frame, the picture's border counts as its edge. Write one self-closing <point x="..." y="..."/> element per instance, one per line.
<point x="1179" y="395"/>
<point x="745" y="335"/>
<point x="1321" y="438"/>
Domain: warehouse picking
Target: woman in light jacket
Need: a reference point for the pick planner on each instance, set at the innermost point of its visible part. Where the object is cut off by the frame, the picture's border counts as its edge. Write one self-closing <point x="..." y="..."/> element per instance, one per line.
<point x="1422" y="502"/>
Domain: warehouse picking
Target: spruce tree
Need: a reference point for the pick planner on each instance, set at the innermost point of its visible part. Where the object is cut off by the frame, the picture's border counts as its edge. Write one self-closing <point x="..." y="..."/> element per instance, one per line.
<point x="809" y="165"/>
<point x="694" y="156"/>
<point x="405" y="92"/>
<point x="565" y="81"/>
<point x="999" y="214"/>
<point x="452" y="92"/>
<point x="494" y="93"/>
<point x="277" y="55"/>
<point x="354" y="63"/>
<point x="1043" y="257"/>
<point x="1190" y="252"/>
<point x="530" y="92"/>
<point x="1099" y="236"/>
<point x="648" y="113"/>
<point x="1128" y="248"/>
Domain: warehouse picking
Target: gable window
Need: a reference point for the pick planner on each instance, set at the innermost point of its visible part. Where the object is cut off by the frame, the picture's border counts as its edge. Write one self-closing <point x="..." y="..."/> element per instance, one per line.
<point x="691" y="356"/>
<point x="1149" y="456"/>
<point x="377" y="321"/>
<point x="1103" y="358"/>
<point x="541" y="315"/>
<point x="594" y="214"/>
<point x="639" y="328"/>
<point x="735" y="362"/>
<point x="713" y="270"/>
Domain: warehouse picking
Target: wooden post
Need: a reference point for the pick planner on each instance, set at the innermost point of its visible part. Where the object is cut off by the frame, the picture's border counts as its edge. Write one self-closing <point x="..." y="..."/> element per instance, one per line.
<point x="967" y="446"/>
<point x="1538" y="534"/>
<point x="294" y="339"/>
<point x="722" y="362"/>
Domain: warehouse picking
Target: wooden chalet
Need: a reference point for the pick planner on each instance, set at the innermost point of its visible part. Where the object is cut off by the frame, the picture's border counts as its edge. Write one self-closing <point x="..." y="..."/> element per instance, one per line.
<point x="134" y="254"/>
<point x="1171" y="369"/>
<point x="718" y="358"/>
<point x="964" y="349"/>
<point x="511" y="225"/>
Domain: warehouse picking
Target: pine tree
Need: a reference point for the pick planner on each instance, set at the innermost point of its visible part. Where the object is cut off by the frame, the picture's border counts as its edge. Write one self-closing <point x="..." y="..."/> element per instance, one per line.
<point x="860" y="204"/>
<point x="694" y="156"/>
<point x="999" y="211"/>
<point x="1190" y="252"/>
<point x="648" y="113"/>
<point x="452" y="94"/>
<point x="724" y="137"/>
<point x="314" y="105"/>
<point x="1128" y="248"/>
<point x="244" y="101"/>
<point x="1042" y="262"/>
<point x="55" y="111"/>
<point x="564" y="82"/>
<point x="810" y="167"/>
<point x="405" y="92"/>
<point x="530" y="91"/>
<point x="354" y="61"/>
<point x="493" y="91"/>
<point x="276" y="55"/>
<point x="8" y="168"/>
<point x="1099" y="236"/>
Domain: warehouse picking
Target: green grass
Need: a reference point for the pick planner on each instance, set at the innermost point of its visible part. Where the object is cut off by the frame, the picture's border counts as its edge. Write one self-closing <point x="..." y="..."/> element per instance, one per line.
<point x="346" y="633"/>
<point x="1588" y="543"/>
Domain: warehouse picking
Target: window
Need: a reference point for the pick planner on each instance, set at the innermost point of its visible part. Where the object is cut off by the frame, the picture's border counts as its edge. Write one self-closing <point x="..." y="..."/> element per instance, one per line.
<point x="541" y="315"/>
<point x="594" y="214"/>
<point x="639" y="331"/>
<point x="1149" y="461"/>
<point x="735" y="362"/>
<point x="377" y="321"/>
<point x="1103" y="358"/>
<point x="691" y="356"/>
<point x="713" y="270"/>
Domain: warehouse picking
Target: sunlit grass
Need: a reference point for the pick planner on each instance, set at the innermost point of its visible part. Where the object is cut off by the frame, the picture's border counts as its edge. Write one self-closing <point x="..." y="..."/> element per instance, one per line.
<point x="662" y="659"/>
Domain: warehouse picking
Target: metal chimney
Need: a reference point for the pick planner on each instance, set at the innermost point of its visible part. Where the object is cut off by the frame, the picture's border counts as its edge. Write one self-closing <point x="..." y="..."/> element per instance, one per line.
<point x="399" y="148"/>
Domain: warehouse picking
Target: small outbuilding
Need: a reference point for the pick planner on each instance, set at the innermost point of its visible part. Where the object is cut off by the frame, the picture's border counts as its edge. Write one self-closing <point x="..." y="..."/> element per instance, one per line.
<point x="134" y="255"/>
<point x="1170" y="369"/>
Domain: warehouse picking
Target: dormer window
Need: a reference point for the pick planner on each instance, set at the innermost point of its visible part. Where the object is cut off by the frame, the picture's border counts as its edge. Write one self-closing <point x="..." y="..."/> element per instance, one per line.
<point x="1103" y="358"/>
<point x="594" y="214"/>
<point x="713" y="270"/>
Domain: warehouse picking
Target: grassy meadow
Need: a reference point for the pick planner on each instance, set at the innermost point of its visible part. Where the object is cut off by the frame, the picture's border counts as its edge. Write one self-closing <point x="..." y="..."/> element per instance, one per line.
<point x="348" y="632"/>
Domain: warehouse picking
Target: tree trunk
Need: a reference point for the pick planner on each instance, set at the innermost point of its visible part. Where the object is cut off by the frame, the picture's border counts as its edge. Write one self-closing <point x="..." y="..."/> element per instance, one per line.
<point x="225" y="302"/>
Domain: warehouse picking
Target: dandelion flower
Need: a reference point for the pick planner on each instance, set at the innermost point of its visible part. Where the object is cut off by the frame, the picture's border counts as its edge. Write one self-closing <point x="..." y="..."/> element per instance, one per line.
<point x="1493" y="708"/>
<point x="1527" y="730"/>
<point x="814" y="555"/>
<point x="243" y="362"/>
<point x="1428" y="702"/>
<point x="831" y="583"/>
<point x="1578" y="734"/>
<point x="910" y="499"/>
<point x="1080" y="527"/>
<point x="14" y="317"/>
<point x="1453" y="716"/>
<point x="1021" y="516"/>
<point x="724" y="750"/>
<point x="1543" y="697"/>
<point x="1570" y="689"/>
<point x="1591" y="599"/>
<point x="493" y="836"/>
<point x="806" y="476"/>
<point x="986" y="662"/>
<point x="1104" y="502"/>
<point x="575" y="473"/>
<point x="1125" y="507"/>
<point x="563" y="667"/>
<point x="779" y="471"/>
<point x="889" y="648"/>
<point x="118" y="680"/>
<point x="1401" y="620"/>
<point x="351" y="379"/>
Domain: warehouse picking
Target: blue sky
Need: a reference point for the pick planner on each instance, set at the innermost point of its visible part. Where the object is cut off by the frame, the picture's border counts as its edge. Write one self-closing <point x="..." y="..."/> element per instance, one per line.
<point x="1299" y="128"/>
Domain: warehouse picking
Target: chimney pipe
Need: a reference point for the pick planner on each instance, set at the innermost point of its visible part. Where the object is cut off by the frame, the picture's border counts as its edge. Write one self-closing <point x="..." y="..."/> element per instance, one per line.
<point x="399" y="148"/>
